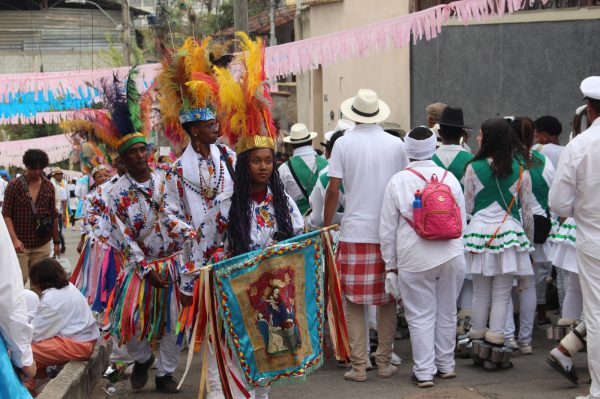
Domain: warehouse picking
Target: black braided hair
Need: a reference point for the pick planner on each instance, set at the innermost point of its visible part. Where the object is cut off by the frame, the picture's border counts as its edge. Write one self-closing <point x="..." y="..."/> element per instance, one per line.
<point x="240" y="214"/>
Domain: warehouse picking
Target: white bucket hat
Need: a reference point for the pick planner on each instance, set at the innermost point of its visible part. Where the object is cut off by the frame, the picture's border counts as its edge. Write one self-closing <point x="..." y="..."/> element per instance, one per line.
<point x="299" y="134"/>
<point x="365" y="107"/>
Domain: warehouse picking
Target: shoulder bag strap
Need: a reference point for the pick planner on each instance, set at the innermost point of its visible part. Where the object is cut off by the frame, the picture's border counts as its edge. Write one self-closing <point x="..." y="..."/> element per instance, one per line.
<point x="304" y="193"/>
<point x="26" y="186"/>
<point x="225" y="159"/>
<point x="512" y="202"/>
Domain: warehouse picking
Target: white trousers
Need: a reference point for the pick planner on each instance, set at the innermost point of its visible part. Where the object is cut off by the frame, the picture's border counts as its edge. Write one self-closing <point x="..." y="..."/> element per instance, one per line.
<point x="589" y="277"/>
<point x="542" y="270"/>
<point x="527" y="305"/>
<point x="169" y="351"/>
<point x="119" y="354"/>
<point x="465" y="298"/>
<point x="430" y="308"/>
<point x="495" y="290"/>
<point x="573" y="302"/>
<point x="561" y="286"/>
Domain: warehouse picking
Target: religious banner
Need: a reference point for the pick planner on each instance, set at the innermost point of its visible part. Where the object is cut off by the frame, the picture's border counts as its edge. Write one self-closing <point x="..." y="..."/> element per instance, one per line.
<point x="273" y="306"/>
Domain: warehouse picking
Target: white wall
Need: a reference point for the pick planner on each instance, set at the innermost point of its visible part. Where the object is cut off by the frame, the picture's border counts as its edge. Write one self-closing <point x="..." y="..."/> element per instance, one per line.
<point x="388" y="73"/>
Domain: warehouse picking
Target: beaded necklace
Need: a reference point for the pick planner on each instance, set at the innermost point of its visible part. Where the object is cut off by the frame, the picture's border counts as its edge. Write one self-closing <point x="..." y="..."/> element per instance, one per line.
<point x="205" y="191"/>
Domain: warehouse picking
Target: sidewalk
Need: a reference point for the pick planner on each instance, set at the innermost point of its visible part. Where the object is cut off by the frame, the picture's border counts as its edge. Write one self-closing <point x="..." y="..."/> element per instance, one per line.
<point x="76" y="379"/>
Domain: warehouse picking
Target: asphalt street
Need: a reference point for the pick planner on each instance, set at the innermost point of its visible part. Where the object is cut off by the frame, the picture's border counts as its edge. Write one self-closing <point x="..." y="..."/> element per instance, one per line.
<point x="530" y="378"/>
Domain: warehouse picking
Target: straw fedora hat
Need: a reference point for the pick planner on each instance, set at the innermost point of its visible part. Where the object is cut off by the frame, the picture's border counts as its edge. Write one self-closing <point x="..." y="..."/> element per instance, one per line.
<point x="299" y="134"/>
<point x="365" y="107"/>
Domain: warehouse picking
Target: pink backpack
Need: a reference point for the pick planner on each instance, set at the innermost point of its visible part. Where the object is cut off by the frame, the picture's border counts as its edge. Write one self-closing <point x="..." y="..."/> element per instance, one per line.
<point x="436" y="215"/>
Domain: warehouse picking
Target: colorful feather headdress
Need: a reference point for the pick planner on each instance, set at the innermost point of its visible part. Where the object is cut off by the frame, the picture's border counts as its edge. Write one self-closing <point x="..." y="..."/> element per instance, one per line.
<point x="125" y="121"/>
<point x="178" y="104"/>
<point x="244" y="105"/>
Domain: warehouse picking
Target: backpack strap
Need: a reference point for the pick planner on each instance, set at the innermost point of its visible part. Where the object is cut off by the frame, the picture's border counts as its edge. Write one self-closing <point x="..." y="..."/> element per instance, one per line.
<point x="423" y="177"/>
<point x="417" y="173"/>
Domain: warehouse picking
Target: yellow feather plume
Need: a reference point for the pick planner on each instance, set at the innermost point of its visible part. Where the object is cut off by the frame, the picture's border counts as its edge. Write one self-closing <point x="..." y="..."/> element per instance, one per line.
<point x="77" y="125"/>
<point x="252" y="58"/>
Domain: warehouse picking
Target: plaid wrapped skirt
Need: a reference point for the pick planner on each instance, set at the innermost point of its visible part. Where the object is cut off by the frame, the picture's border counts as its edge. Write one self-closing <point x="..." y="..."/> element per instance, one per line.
<point x="362" y="273"/>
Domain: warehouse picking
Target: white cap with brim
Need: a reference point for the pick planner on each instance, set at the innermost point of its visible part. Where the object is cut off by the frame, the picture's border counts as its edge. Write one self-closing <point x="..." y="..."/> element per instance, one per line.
<point x="590" y="88"/>
<point x="342" y="124"/>
<point x="365" y="107"/>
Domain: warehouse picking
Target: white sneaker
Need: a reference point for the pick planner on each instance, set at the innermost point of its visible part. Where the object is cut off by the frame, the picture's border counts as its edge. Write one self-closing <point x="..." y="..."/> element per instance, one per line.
<point x="525" y="349"/>
<point x="369" y="364"/>
<point x="396" y="360"/>
<point x="511" y="343"/>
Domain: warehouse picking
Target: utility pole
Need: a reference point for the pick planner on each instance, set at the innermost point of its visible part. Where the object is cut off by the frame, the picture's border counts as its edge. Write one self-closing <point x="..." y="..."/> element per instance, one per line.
<point x="126" y="32"/>
<point x="273" y="41"/>
<point x="240" y="15"/>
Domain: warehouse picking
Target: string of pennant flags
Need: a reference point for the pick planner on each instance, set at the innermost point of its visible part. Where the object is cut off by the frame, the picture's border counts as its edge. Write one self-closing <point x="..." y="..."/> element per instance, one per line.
<point x="47" y="97"/>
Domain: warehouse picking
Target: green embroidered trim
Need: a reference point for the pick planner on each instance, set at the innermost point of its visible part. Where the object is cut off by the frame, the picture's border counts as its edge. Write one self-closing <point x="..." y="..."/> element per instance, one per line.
<point x="477" y="235"/>
<point x="564" y="237"/>
<point x="504" y="245"/>
<point x="568" y="226"/>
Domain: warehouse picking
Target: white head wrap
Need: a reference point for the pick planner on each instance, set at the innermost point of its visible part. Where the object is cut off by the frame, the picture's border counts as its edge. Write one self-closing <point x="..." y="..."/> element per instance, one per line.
<point x="99" y="168"/>
<point x="420" y="149"/>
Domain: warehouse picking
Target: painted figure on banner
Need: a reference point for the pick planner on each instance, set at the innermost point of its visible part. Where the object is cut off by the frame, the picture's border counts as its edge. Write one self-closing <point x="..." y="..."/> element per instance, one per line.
<point x="273" y="297"/>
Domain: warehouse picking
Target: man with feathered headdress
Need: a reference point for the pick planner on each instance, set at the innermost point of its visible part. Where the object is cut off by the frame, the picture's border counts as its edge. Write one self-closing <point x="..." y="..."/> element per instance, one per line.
<point x="145" y="302"/>
<point x="205" y="169"/>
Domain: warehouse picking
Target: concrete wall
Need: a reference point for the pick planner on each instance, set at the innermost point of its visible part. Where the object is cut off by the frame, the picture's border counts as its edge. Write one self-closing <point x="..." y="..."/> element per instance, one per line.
<point x="508" y="67"/>
<point x="321" y="92"/>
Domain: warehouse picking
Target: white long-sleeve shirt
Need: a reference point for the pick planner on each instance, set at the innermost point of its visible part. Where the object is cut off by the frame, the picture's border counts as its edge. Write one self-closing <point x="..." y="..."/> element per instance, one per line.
<point x="309" y="156"/>
<point x="401" y="247"/>
<point x="576" y="188"/>
<point x="317" y="204"/>
<point x="14" y="325"/>
<point x="65" y="313"/>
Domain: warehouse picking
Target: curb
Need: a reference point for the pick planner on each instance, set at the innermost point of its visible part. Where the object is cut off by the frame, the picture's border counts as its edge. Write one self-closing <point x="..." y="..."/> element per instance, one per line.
<point x="77" y="379"/>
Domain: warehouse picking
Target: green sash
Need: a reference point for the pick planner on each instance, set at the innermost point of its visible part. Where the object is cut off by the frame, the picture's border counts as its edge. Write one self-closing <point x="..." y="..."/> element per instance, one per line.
<point x="457" y="166"/>
<point x="539" y="186"/>
<point x="325" y="181"/>
<point x="306" y="178"/>
<point x="490" y="192"/>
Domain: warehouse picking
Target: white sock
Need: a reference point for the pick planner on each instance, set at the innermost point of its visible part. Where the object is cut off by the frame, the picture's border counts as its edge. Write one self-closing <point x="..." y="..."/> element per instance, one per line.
<point x="565" y="361"/>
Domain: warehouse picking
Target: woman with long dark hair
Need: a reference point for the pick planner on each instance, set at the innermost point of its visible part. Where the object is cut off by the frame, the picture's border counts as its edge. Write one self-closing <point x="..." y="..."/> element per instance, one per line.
<point x="258" y="212"/>
<point x="541" y="171"/>
<point x="261" y="212"/>
<point x="498" y="196"/>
